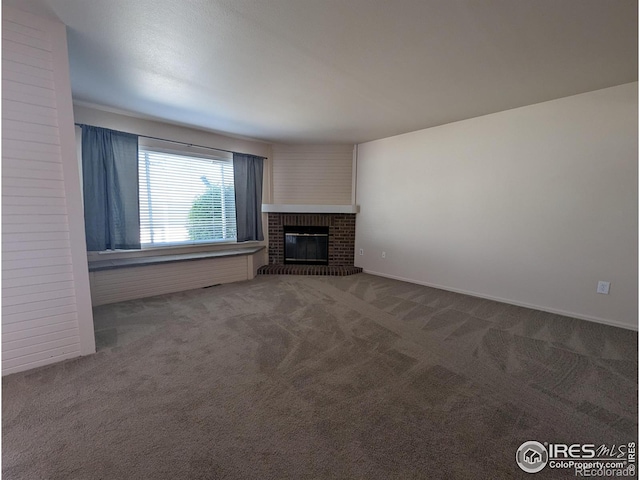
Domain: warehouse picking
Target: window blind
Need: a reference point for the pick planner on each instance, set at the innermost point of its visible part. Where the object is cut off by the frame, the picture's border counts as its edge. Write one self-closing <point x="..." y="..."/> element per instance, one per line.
<point x="185" y="199"/>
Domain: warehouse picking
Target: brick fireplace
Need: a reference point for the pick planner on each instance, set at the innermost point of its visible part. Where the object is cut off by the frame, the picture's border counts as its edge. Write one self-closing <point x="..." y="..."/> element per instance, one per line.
<point x="342" y="235"/>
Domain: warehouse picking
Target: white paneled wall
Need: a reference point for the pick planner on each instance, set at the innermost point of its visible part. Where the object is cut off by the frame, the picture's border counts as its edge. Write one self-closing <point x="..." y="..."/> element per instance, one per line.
<point x="44" y="320"/>
<point x="312" y="174"/>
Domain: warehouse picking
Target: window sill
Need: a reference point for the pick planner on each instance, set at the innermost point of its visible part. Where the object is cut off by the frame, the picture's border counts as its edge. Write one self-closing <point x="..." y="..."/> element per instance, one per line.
<point x="169" y="247"/>
<point x="95" y="266"/>
<point x="171" y="250"/>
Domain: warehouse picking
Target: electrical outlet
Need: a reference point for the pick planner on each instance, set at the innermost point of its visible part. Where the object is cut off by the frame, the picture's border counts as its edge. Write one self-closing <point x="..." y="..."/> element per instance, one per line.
<point x="361" y="251"/>
<point x="384" y="254"/>
<point x="603" y="287"/>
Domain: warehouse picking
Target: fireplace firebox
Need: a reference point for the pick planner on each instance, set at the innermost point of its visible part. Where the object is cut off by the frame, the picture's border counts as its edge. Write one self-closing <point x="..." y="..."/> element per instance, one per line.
<point x="306" y="245"/>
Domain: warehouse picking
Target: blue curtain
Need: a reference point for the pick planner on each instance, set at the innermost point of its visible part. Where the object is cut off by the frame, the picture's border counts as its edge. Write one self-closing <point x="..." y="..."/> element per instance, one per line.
<point x="110" y="187"/>
<point x="247" y="177"/>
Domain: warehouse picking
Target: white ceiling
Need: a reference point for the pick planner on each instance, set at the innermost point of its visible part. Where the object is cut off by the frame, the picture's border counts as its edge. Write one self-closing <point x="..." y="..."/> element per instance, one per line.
<point x="339" y="71"/>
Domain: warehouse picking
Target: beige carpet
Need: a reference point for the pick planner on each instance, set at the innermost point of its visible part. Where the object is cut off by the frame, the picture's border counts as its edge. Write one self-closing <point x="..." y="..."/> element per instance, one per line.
<point x="319" y="377"/>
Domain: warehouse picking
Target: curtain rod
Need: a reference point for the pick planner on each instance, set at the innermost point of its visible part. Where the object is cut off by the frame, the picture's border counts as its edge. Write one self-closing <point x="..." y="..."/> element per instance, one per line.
<point x="176" y="141"/>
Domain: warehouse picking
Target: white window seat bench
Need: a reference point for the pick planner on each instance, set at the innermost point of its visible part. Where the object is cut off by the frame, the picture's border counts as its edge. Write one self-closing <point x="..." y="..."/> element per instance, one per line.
<point x="123" y="279"/>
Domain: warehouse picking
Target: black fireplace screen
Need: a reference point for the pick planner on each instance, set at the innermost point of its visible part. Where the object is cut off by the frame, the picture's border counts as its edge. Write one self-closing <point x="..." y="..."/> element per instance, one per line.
<point x="306" y="245"/>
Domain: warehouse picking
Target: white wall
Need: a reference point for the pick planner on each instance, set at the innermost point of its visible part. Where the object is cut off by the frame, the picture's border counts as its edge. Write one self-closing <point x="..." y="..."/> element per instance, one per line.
<point x="532" y="205"/>
<point x="46" y="304"/>
<point x="312" y="174"/>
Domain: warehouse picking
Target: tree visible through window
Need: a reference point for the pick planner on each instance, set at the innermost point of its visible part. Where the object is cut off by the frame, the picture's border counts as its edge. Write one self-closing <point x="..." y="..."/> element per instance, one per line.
<point x="185" y="199"/>
<point x="211" y="216"/>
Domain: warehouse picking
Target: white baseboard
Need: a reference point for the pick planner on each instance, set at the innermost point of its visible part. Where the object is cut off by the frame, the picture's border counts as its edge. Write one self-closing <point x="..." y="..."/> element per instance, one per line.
<point x="565" y="313"/>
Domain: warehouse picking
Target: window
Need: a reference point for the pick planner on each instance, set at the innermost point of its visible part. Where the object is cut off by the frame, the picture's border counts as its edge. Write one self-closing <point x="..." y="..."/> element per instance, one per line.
<point x="185" y="199"/>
